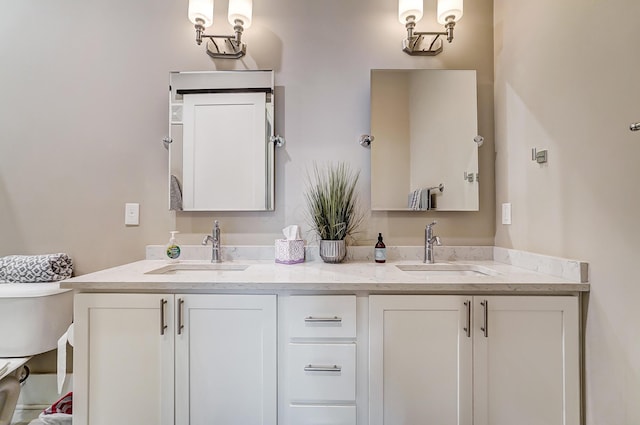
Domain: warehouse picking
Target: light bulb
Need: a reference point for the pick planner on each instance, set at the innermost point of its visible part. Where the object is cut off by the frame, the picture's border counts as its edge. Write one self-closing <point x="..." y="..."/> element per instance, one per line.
<point x="240" y="9"/>
<point x="201" y="9"/>
<point x="408" y="8"/>
<point x="448" y="8"/>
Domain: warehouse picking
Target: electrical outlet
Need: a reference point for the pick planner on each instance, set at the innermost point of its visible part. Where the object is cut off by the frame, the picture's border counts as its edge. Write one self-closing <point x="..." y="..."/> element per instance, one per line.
<point x="506" y="213"/>
<point x="132" y="214"/>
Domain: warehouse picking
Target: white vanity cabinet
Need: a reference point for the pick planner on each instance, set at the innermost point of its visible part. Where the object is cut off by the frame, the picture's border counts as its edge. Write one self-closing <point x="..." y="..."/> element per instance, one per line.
<point x="494" y="360"/>
<point x="123" y="362"/>
<point x="318" y="360"/>
<point x="175" y="359"/>
<point x="527" y="363"/>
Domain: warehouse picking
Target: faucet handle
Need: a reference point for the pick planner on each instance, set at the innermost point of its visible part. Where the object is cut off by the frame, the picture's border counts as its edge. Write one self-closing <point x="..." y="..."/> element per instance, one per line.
<point x="436" y="241"/>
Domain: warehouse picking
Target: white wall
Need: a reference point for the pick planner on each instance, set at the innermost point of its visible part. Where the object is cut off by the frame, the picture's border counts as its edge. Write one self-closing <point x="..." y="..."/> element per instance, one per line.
<point x="84" y="108"/>
<point x="567" y="80"/>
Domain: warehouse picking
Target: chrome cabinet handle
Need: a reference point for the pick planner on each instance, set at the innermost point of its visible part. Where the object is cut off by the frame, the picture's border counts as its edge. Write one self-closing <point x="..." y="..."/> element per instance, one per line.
<point x="180" y="314"/>
<point x="485" y="327"/>
<point x="323" y="368"/>
<point x="467" y="329"/>
<point x="163" y="324"/>
<point x="312" y="319"/>
<point x="635" y="126"/>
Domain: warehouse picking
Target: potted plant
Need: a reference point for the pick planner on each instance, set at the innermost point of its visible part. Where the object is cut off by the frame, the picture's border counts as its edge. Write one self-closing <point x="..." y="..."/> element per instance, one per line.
<point x="333" y="208"/>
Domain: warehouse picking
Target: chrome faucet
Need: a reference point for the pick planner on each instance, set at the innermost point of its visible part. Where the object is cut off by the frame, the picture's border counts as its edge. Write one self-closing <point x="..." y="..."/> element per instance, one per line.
<point x="429" y="241"/>
<point x="214" y="238"/>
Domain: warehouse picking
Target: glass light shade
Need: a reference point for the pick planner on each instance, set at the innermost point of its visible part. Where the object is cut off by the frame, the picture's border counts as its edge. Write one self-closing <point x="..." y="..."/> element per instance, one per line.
<point x="449" y="8"/>
<point x="201" y="9"/>
<point x="408" y="8"/>
<point x="240" y="9"/>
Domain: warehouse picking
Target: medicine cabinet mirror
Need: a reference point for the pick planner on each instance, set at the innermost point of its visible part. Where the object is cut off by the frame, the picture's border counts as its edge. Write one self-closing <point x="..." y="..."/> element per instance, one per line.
<point x="221" y="155"/>
<point x="423" y="155"/>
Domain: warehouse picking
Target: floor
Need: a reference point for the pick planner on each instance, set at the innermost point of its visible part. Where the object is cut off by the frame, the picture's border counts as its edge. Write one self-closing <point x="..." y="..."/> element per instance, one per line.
<point x="24" y="417"/>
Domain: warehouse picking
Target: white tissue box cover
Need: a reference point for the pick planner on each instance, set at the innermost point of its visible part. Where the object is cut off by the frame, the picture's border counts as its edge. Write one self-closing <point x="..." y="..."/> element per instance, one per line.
<point x="289" y="251"/>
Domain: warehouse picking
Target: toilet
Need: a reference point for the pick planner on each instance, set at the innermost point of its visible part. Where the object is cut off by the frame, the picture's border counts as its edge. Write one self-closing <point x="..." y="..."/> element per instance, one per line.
<point x="9" y="392"/>
<point x="33" y="316"/>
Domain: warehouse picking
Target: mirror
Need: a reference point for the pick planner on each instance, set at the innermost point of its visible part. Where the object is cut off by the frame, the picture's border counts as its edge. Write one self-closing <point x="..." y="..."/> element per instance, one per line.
<point x="423" y="156"/>
<point x="221" y="155"/>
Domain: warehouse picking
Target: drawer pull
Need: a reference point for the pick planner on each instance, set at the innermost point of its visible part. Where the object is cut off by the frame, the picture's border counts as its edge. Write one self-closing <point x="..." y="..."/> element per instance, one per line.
<point x="312" y="368"/>
<point x="334" y="319"/>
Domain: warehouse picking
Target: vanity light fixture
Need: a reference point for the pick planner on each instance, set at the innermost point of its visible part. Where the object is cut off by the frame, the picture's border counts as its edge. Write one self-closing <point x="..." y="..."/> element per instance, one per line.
<point x="228" y="46"/>
<point x="427" y="43"/>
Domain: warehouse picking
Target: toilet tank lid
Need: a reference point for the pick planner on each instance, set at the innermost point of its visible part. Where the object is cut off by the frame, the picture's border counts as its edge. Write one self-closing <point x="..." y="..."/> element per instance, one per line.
<point x="30" y="290"/>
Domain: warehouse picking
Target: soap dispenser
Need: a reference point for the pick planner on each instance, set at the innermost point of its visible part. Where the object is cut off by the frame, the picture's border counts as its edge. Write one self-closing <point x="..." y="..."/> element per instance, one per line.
<point x="173" y="250"/>
<point x="380" y="250"/>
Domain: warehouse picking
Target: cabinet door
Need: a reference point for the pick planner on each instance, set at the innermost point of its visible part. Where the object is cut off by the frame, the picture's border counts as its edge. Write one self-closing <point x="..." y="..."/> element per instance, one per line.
<point x="420" y="360"/>
<point x="526" y="365"/>
<point x="123" y="362"/>
<point x="226" y="359"/>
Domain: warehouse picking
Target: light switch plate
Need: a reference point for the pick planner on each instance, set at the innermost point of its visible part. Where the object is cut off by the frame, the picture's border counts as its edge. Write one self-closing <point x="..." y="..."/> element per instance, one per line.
<point x="506" y="213"/>
<point x="131" y="214"/>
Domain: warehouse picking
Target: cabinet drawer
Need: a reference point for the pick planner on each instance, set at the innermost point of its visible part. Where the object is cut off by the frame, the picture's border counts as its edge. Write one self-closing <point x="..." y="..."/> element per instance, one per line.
<point x="323" y="316"/>
<point x="322" y="373"/>
<point x="322" y="415"/>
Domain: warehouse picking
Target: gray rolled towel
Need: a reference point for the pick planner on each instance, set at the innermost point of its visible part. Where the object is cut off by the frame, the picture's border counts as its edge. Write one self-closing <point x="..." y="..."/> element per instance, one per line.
<point x="35" y="268"/>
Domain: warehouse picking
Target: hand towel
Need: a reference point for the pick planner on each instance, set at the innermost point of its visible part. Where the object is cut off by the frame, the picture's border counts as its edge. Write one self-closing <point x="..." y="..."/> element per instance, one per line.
<point x="425" y="200"/>
<point x="35" y="268"/>
<point x="175" y="195"/>
<point x="414" y="199"/>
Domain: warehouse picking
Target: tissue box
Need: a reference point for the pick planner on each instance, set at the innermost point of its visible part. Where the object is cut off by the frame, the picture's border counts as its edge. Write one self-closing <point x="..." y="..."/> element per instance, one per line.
<point x="289" y="251"/>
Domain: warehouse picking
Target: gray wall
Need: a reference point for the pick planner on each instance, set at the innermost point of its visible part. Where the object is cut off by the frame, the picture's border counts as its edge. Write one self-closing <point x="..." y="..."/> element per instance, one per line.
<point x="567" y="80"/>
<point x="84" y="108"/>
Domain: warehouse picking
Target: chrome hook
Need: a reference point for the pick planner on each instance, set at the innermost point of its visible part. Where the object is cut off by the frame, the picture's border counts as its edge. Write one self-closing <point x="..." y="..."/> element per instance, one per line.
<point x="365" y="140"/>
<point x="277" y="140"/>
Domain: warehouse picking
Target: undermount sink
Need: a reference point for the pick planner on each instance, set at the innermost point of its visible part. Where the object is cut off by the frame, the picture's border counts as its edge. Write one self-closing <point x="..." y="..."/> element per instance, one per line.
<point x="446" y="269"/>
<point x="178" y="268"/>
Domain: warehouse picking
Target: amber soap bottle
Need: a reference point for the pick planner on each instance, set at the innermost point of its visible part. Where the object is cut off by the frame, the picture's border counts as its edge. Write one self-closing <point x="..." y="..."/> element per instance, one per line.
<point x="380" y="250"/>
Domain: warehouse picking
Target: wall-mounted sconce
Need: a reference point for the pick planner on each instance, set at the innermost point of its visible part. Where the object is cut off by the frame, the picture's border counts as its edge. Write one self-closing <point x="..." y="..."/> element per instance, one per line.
<point x="228" y="46"/>
<point x="427" y="43"/>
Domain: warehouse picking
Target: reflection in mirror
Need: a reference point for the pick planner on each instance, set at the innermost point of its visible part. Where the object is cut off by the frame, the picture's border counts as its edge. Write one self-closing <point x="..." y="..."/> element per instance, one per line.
<point x="424" y="156"/>
<point x="222" y="154"/>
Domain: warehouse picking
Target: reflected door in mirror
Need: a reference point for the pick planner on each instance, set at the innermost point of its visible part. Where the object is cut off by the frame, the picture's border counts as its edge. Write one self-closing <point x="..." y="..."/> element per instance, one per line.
<point x="224" y="151"/>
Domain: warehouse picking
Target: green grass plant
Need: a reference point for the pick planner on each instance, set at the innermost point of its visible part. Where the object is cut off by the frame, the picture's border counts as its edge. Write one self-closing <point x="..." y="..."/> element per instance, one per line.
<point x="332" y="201"/>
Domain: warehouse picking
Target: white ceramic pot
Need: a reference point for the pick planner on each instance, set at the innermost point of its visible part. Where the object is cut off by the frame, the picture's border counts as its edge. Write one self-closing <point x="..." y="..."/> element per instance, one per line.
<point x="332" y="251"/>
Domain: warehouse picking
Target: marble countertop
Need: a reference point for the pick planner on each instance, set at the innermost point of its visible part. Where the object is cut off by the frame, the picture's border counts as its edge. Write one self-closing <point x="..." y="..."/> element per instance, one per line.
<point x="353" y="276"/>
